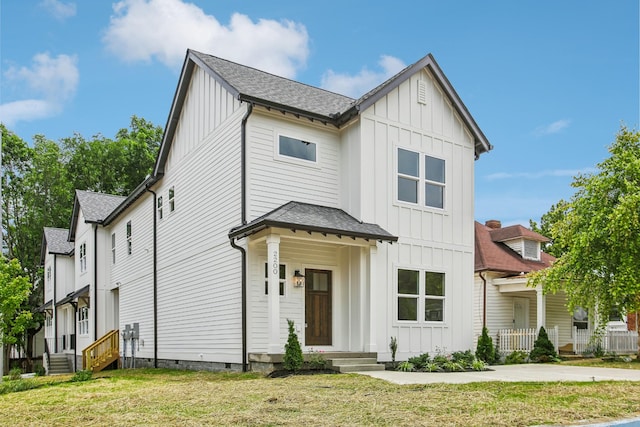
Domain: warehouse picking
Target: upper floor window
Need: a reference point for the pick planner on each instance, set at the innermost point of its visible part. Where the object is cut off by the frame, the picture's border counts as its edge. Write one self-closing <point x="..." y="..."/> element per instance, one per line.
<point x="531" y="249"/>
<point x="172" y="202"/>
<point x="297" y="148"/>
<point x="421" y="295"/>
<point x="83" y="320"/>
<point x="49" y="274"/>
<point x="159" y="207"/>
<point x="113" y="248"/>
<point x="421" y="179"/>
<point x="282" y="278"/>
<point x="129" y="237"/>
<point x="83" y="257"/>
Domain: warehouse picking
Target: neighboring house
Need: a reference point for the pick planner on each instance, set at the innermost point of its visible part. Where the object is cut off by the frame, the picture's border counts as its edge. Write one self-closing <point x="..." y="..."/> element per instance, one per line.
<point x="273" y="200"/>
<point x="514" y="312"/>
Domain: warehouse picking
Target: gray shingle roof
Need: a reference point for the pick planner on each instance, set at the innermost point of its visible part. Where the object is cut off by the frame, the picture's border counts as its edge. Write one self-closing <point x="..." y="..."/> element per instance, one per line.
<point x="97" y="206"/>
<point x="314" y="218"/>
<point x="56" y="240"/>
<point x="277" y="90"/>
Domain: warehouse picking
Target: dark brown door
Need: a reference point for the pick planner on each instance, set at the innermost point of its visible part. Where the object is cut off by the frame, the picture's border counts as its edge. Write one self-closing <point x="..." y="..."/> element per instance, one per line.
<point x="318" y="307"/>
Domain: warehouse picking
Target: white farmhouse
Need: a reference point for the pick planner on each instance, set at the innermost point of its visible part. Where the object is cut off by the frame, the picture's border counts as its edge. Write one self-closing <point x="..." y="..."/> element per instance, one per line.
<point x="273" y="200"/>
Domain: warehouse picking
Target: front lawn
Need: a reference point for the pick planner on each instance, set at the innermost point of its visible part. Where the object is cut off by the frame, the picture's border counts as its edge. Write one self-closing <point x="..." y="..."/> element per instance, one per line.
<point x="166" y="397"/>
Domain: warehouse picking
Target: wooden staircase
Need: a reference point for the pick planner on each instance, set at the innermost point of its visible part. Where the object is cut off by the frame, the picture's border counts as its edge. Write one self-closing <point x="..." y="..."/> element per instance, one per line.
<point x="102" y="353"/>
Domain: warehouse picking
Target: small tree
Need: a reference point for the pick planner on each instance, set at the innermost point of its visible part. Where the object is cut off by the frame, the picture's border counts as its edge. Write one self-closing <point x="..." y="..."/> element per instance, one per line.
<point x="484" y="349"/>
<point x="293" y="358"/>
<point x="393" y="346"/>
<point x="543" y="349"/>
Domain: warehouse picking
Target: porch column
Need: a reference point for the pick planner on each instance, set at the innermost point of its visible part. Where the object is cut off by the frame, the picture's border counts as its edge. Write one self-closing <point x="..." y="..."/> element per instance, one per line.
<point x="371" y="312"/>
<point x="273" y="299"/>
<point x="541" y="311"/>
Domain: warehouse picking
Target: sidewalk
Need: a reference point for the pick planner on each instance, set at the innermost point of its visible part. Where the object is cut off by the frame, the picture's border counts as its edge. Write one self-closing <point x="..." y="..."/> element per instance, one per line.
<point x="513" y="373"/>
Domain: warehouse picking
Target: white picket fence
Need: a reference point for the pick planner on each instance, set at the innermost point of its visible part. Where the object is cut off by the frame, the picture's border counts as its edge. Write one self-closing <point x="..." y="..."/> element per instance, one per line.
<point x="585" y="340"/>
<point x="510" y="340"/>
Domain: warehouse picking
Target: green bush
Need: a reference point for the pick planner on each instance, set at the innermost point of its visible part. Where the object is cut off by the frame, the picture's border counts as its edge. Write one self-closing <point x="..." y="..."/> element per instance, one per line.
<point x="464" y="358"/>
<point x="405" y="367"/>
<point x="15" y="374"/>
<point x="293" y="358"/>
<point x="419" y="362"/>
<point x="40" y="371"/>
<point x="17" y="385"/>
<point x="516" y="358"/>
<point x="316" y="360"/>
<point x="484" y="349"/>
<point x="393" y="346"/>
<point x="478" y="365"/>
<point x="543" y="349"/>
<point x="81" y="376"/>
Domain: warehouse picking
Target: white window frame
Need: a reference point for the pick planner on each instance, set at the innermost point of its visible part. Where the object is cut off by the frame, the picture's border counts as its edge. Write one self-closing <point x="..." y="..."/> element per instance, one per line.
<point x="295" y="159"/>
<point x="129" y="233"/>
<point x="172" y="199"/>
<point x="420" y="179"/>
<point x="83" y="320"/>
<point x="421" y="297"/>
<point x="159" y="207"/>
<point x="536" y="251"/>
<point x="282" y="281"/>
<point x="83" y="257"/>
<point x="113" y="248"/>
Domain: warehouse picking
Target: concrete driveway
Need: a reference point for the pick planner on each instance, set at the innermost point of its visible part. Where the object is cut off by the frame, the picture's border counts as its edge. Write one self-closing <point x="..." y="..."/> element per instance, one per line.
<point x="514" y="373"/>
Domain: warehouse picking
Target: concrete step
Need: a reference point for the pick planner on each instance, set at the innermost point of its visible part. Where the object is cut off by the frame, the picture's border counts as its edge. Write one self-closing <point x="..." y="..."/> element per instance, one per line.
<point x="358" y="368"/>
<point x="353" y="361"/>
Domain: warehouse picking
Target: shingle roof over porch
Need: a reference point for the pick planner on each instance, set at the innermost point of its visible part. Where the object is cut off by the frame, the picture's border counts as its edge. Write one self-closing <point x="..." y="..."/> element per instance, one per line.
<point x="314" y="218"/>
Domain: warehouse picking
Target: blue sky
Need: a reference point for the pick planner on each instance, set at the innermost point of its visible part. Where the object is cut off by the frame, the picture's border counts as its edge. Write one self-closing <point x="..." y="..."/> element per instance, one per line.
<point x="548" y="82"/>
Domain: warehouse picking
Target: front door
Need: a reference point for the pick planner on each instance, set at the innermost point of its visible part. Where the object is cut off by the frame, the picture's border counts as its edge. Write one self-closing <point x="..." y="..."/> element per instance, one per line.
<point x="520" y="313"/>
<point x="318" y="307"/>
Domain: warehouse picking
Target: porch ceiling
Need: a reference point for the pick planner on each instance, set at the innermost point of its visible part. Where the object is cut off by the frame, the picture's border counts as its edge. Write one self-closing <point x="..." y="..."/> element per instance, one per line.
<point x="314" y="218"/>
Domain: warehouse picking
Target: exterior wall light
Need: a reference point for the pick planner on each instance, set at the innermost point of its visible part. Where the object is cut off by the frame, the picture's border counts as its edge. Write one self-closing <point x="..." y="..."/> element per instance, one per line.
<point x="298" y="279"/>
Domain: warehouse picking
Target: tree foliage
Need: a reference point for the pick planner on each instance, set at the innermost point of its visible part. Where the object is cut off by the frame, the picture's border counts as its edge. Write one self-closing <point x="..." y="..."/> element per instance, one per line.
<point x="555" y="214"/>
<point x="599" y="233"/>
<point x="293" y="358"/>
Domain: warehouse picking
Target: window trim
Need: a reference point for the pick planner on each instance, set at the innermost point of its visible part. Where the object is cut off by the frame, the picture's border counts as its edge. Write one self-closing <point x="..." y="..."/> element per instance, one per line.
<point x="83" y="320"/>
<point x="83" y="257"/>
<point x="293" y="159"/>
<point x="172" y="199"/>
<point x="282" y="281"/>
<point x="113" y="248"/>
<point x="421" y="179"/>
<point x="159" y="207"/>
<point x="129" y="233"/>
<point x="421" y="296"/>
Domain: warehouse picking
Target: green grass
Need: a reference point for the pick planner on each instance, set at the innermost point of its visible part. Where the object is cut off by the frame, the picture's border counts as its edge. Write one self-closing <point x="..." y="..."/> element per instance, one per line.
<point x="603" y="363"/>
<point x="168" y="397"/>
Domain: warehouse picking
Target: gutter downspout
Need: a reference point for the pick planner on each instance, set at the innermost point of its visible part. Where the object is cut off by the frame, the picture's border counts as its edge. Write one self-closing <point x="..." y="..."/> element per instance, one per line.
<point x="55" y="309"/>
<point x="95" y="282"/>
<point x="484" y="299"/>
<point x="243" y="214"/>
<point x="155" y="278"/>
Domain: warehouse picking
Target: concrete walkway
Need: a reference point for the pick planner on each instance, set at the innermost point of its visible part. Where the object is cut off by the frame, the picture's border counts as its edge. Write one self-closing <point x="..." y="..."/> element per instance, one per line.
<point x="513" y="373"/>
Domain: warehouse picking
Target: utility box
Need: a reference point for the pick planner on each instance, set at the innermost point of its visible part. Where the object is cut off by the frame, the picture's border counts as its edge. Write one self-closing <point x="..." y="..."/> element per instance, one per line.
<point x="135" y="333"/>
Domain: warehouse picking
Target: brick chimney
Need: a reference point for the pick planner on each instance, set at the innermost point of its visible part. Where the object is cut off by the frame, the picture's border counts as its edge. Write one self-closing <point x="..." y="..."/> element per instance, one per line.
<point x="493" y="224"/>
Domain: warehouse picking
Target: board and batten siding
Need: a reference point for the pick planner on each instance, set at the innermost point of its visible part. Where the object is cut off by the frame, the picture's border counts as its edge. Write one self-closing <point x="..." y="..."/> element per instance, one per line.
<point x="274" y="180"/>
<point x="199" y="273"/>
<point x="439" y="240"/>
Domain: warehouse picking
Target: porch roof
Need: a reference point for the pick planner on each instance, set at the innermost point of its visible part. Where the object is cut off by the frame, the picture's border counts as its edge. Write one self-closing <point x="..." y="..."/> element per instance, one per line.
<point x="314" y="218"/>
<point x="43" y="307"/>
<point x="73" y="295"/>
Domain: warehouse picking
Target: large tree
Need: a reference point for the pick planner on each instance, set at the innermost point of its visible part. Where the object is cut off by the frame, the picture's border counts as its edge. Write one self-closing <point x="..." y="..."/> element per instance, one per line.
<point x="599" y="234"/>
<point x="555" y="214"/>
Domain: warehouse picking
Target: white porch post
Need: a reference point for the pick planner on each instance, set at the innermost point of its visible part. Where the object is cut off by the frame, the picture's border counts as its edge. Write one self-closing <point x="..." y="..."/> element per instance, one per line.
<point x="371" y="312"/>
<point x="541" y="308"/>
<point x="273" y="299"/>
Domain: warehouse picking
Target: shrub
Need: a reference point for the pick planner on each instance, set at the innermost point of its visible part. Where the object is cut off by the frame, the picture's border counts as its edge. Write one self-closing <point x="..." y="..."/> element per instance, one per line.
<point x="15" y="374"/>
<point x="431" y="367"/>
<point x="516" y="358"/>
<point x="293" y="358"/>
<point x="393" y="346"/>
<point x="464" y="358"/>
<point x="316" y="360"/>
<point x="40" y="371"/>
<point x="419" y="362"/>
<point x="478" y="365"/>
<point x="18" y="385"/>
<point x="484" y="349"/>
<point x="543" y="349"/>
<point x="81" y="376"/>
<point x="405" y="367"/>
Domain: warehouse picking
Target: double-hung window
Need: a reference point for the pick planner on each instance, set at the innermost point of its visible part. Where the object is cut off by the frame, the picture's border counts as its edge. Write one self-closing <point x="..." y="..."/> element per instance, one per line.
<point x="282" y="278"/>
<point x="113" y="248"/>
<point x="159" y="202"/>
<point x="83" y="257"/>
<point x="83" y="320"/>
<point x="129" y="248"/>
<point x="421" y="296"/>
<point x="172" y="201"/>
<point x="421" y="179"/>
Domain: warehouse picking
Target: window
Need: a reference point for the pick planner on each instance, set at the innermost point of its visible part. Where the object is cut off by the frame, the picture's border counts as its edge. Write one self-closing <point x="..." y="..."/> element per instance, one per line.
<point x="283" y="278"/>
<point x="48" y="274"/>
<point x="83" y="321"/>
<point x="172" y="203"/>
<point x="415" y="179"/>
<point x="421" y="293"/>
<point x="160" y="207"/>
<point x="531" y="250"/>
<point x="297" y="148"/>
<point x="581" y="318"/>
<point x="113" y="248"/>
<point x="83" y="257"/>
<point x="129" y="237"/>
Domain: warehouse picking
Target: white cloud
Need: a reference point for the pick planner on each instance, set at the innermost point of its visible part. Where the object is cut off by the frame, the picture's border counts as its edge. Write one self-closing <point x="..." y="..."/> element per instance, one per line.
<point x="357" y="85"/>
<point x="143" y="30"/>
<point x="58" y="9"/>
<point x="539" y="174"/>
<point x="552" y="128"/>
<point x="46" y="85"/>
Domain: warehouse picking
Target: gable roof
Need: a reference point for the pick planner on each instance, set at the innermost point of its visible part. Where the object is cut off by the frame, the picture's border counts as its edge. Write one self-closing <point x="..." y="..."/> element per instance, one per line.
<point x="492" y="255"/>
<point x="314" y="218"/>
<point x="95" y="208"/>
<point x="54" y="241"/>
<point x="258" y="87"/>
<point x="517" y="231"/>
